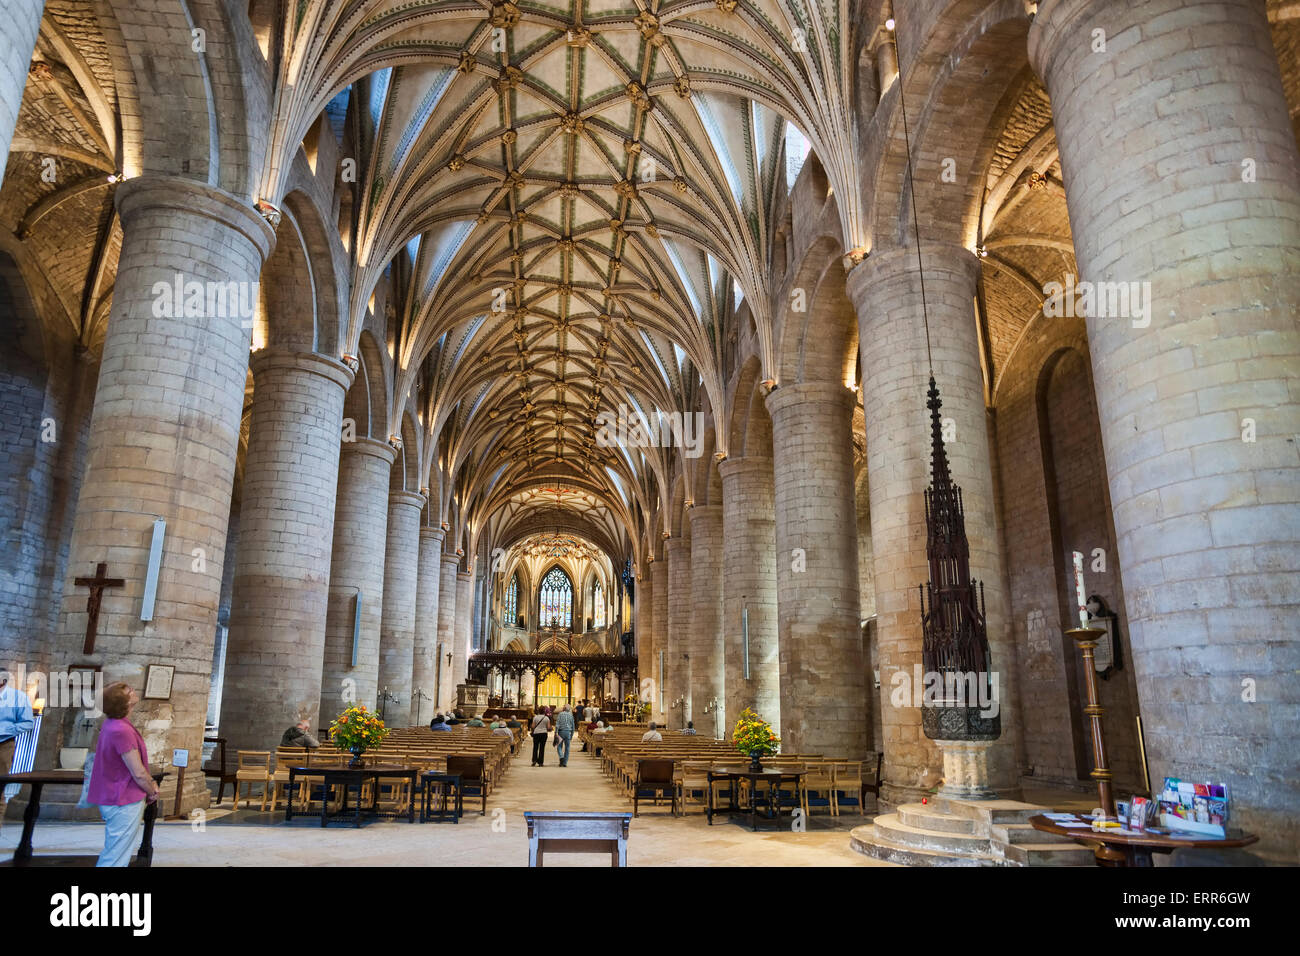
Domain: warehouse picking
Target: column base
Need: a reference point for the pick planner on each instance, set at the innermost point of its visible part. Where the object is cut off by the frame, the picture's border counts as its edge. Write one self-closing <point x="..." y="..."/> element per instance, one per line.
<point x="965" y="769"/>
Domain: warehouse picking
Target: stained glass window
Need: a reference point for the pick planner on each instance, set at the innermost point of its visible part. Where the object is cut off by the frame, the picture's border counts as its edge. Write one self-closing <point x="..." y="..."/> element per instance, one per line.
<point x="510" y="603"/>
<point x="556" y="599"/>
<point x="598" y="604"/>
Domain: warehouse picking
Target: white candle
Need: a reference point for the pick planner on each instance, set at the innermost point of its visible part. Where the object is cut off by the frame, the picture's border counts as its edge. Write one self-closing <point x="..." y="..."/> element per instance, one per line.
<point x="1080" y="599"/>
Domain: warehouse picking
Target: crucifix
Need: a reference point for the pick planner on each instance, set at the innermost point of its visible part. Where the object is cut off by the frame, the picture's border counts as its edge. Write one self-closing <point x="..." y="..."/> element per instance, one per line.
<point x="96" y="585"/>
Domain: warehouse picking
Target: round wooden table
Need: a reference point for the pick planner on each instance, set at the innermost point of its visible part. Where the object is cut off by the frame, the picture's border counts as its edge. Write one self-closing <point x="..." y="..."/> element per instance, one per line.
<point x="1114" y="847"/>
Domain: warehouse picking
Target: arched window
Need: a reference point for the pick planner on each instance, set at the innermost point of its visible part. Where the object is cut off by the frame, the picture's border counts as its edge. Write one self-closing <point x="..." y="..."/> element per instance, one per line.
<point x="510" y="603"/>
<point x="556" y="595"/>
<point x="598" y="604"/>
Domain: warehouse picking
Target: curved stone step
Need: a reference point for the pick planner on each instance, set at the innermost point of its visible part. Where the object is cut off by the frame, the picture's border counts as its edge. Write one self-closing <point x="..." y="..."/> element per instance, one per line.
<point x="891" y="828"/>
<point x="928" y="817"/>
<point x="864" y="840"/>
<point x="1019" y="834"/>
<point x="1050" y="854"/>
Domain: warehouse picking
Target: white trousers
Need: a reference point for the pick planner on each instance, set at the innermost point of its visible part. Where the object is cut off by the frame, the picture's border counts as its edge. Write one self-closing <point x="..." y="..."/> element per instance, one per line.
<point x="121" y="833"/>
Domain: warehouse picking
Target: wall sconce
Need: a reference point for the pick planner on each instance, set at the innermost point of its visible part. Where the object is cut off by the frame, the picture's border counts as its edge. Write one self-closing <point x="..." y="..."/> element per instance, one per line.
<point x="981" y="252"/>
<point x="269" y="212"/>
<point x="114" y="178"/>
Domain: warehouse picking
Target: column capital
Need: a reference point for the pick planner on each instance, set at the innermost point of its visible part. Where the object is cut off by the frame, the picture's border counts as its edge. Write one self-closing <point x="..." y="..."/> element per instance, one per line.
<point x="703" y="514"/>
<point x="328" y="368"/>
<point x="677" y="545"/>
<point x="835" y="394"/>
<point x="1055" y="21"/>
<point x="900" y="262"/>
<point x="371" y="446"/>
<point x="747" y="465"/>
<point x="432" y="534"/>
<point x="412" y="499"/>
<point x="450" y="558"/>
<point x="463" y="575"/>
<point x="186" y="197"/>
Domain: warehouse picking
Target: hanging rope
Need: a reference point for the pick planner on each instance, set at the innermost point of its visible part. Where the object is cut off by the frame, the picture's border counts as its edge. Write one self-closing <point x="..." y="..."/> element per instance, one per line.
<point x="916" y="225"/>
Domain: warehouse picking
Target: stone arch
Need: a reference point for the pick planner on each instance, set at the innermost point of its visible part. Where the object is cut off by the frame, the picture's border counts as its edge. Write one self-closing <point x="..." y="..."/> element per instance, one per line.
<point x="973" y="53"/>
<point x="405" y="475"/>
<point x="376" y="384"/>
<point x="328" y="280"/>
<point x="820" y="343"/>
<point x="287" y="286"/>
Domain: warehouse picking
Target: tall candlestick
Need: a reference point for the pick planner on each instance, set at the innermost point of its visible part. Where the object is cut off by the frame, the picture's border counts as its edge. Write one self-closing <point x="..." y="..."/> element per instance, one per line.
<point x="1080" y="599"/>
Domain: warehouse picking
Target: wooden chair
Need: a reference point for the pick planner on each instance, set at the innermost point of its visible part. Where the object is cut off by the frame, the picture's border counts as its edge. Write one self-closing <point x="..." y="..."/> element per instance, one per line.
<point x="693" y="779"/>
<point x="254" y="767"/>
<point x="654" y="777"/>
<point x="848" y="785"/>
<point x="819" y="787"/>
<point x="217" y="767"/>
<point x="473" y="780"/>
<point x="871" y="776"/>
<point x="285" y="758"/>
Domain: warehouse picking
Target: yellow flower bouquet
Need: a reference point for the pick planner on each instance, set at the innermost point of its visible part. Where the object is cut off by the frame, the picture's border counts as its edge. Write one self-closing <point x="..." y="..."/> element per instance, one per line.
<point x="754" y="736"/>
<point x="357" y="730"/>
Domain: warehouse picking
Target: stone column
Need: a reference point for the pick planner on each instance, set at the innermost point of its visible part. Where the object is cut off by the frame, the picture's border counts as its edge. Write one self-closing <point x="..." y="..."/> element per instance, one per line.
<point x="397" y="627"/>
<point x="447" y="633"/>
<point x="464" y="628"/>
<point x="659" y="571"/>
<point x="22" y="19"/>
<point x="280" y="592"/>
<point x="357" y="574"/>
<point x="1182" y="178"/>
<point x="887" y="295"/>
<point x="645" y="641"/>
<point x="824" y="703"/>
<point x="164" y="436"/>
<point x="749" y="561"/>
<point x="708" y="657"/>
<point x="681" y="608"/>
<point x="424" y="676"/>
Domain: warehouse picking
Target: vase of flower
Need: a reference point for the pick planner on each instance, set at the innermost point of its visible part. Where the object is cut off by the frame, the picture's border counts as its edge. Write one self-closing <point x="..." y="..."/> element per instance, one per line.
<point x="755" y="738"/>
<point x="355" y="731"/>
<point x="755" y="762"/>
<point x="356" y="763"/>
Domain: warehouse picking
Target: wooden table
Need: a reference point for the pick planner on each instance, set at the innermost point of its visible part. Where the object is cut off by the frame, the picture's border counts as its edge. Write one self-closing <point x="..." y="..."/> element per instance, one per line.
<point x="427" y="780"/>
<point x="347" y="778"/>
<point x="1115" y="847"/>
<point x="566" y="831"/>
<point x="76" y="778"/>
<point x="773" y="778"/>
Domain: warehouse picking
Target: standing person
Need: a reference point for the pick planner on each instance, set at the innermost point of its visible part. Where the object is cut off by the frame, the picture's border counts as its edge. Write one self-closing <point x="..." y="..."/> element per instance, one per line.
<point x="540" y="729"/>
<point x="119" y="781"/>
<point x="16" y="718"/>
<point x="564" y="728"/>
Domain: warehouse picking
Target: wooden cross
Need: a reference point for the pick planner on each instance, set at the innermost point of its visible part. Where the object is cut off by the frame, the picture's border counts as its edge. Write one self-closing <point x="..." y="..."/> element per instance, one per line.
<point x="96" y="585"/>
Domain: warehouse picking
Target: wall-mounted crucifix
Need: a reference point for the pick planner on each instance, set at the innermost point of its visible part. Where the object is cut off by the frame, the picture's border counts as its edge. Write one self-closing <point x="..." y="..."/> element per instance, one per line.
<point x="96" y="585"/>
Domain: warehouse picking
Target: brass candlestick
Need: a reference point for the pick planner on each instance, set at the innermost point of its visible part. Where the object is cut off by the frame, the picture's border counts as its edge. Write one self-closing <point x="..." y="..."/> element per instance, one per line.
<point x="1086" y="638"/>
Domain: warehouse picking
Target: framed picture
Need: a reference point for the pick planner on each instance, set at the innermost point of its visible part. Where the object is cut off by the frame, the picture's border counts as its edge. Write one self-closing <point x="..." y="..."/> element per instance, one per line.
<point x="158" y="682"/>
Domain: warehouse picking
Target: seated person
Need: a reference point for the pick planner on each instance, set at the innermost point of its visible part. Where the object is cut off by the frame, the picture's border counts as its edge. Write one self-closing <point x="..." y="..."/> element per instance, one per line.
<point x="476" y="722"/>
<point x="651" y="734"/>
<point x="513" y="724"/>
<point x="690" y="727"/>
<point x="501" y="730"/>
<point x="438" y="723"/>
<point x="600" y="727"/>
<point x="299" y="736"/>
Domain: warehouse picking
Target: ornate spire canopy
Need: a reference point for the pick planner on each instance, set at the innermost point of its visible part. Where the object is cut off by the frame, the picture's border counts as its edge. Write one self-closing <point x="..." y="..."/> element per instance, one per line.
<point x="955" y="635"/>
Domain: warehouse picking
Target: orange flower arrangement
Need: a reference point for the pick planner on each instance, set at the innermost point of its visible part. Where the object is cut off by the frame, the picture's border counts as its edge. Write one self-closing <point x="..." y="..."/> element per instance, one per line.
<point x="357" y="729"/>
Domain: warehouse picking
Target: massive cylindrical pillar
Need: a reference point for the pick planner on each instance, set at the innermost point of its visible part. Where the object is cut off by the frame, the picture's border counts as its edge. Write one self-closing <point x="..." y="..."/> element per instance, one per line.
<point x="280" y="593"/>
<point x="464" y="627"/>
<point x="677" y="657"/>
<point x="447" y="633"/>
<point x="645" y="642"/>
<point x="708" y="658"/>
<point x="886" y="292"/>
<point x="424" y="676"/>
<point x="660" y="701"/>
<point x="397" y="626"/>
<point x="163" y="441"/>
<point x="22" y="20"/>
<point x="753" y="666"/>
<point x="351" y="671"/>
<point x="1183" y="184"/>
<point x="824" y="705"/>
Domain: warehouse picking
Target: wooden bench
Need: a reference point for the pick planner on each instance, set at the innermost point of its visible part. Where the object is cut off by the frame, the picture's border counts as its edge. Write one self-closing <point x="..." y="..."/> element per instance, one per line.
<point x="217" y="766"/>
<point x="568" y="831"/>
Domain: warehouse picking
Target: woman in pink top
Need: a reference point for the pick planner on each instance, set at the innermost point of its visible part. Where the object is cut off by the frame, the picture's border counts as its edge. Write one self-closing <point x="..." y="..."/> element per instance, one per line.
<point x="119" y="780"/>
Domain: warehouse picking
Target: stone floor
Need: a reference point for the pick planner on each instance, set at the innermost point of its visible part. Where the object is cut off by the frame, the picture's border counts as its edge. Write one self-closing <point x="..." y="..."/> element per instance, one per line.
<point x="656" y="838"/>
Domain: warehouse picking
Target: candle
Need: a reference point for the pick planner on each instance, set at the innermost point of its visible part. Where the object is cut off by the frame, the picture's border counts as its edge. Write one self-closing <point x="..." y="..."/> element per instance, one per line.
<point x="1080" y="599"/>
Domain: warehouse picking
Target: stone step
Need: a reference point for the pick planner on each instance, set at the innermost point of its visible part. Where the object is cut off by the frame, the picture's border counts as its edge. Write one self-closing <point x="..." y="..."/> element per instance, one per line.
<point x="929" y="817"/>
<point x="866" y="841"/>
<point x="1050" y="854"/>
<point x="991" y="812"/>
<point x="1020" y="834"/>
<point x="891" y="828"/>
